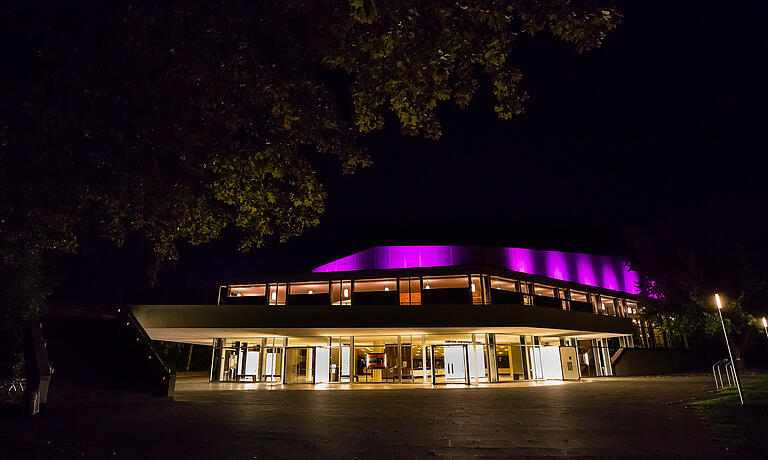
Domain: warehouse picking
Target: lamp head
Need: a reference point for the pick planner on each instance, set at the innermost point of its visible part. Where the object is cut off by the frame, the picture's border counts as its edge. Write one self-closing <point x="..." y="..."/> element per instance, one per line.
<point x="765" y="324"/>
<point x="717" y="299"/>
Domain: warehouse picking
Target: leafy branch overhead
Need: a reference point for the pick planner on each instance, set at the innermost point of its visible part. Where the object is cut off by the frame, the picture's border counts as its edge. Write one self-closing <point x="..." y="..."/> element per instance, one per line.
<point x="407" y="56"/>
<point x="175" y="120"/>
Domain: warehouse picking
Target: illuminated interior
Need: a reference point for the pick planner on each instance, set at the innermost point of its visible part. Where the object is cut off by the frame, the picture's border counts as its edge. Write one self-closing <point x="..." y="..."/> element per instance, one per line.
<point x="394" y="315"/>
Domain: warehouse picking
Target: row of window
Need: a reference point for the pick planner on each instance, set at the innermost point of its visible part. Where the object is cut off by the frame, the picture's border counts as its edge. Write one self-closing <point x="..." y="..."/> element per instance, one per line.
<point x="472" y="289"/>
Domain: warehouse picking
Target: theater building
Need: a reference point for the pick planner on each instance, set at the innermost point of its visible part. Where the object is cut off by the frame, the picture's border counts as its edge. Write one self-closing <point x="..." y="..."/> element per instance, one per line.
<point x="419" y="315"/>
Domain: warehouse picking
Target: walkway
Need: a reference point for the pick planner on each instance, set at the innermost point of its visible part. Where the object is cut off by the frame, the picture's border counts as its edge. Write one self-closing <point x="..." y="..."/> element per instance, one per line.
<point x="600" y="417"/>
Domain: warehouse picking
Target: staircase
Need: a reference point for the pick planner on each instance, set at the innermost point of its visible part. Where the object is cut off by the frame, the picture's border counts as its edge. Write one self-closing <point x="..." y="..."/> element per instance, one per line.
<point x="106" y="351"/>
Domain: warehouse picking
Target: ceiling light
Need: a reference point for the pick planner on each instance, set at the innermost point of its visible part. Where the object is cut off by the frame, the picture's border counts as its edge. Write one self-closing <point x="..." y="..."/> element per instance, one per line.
<point x="310" y="291"/>
<point x="386" y="288"/>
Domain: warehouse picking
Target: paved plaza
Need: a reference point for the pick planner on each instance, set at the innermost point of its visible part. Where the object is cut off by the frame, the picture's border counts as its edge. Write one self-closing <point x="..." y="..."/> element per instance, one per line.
<point x="636" y="417"/>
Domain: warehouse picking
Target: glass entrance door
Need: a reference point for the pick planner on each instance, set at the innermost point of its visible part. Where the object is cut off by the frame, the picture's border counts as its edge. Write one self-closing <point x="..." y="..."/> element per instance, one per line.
<point x="299" y="365"/>
<point x="273" y="364"/>
<point x="339" y="360"/>
<point x="450" y="364"/>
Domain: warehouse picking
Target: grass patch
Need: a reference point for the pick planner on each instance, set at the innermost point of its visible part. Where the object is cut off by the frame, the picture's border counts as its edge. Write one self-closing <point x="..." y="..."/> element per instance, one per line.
<point x="741" y="427"/>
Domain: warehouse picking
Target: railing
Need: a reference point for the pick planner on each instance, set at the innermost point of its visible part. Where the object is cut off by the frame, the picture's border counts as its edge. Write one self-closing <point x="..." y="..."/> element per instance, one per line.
<point x="163" y="379"/>
<point x="12" y="391"/>
<point x="730" y="373"/>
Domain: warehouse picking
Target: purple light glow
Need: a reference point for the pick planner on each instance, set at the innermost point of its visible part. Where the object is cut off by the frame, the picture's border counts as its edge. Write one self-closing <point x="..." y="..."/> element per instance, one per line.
<point x="592" y="270"/>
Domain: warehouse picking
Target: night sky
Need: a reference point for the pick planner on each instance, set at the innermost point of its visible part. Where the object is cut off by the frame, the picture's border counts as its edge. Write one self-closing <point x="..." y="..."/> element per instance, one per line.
<point x="665" y="122"/>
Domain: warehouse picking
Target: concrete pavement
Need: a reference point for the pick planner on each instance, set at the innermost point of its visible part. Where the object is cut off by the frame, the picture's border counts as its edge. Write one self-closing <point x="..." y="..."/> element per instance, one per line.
<point x="631" y="417"/>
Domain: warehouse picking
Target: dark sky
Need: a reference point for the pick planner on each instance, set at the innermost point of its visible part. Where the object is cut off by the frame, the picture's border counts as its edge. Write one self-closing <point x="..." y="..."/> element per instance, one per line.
<point x="665" y="121"/>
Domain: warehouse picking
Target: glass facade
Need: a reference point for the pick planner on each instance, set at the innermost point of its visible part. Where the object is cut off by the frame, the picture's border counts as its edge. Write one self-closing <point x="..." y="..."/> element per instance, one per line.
<point x="412" y="359"/>
<point x="466" y="358"/>
<point x="460" y="289"/>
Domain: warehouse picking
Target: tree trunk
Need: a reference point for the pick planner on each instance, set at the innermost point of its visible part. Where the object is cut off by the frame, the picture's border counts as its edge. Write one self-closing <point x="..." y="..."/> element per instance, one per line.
<point x="37" y="367"/>
<point x="189" y="356"/>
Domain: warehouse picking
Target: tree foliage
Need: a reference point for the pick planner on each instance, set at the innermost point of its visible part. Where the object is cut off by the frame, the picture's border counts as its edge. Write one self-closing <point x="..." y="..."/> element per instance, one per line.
<point x="682" y="266"/>
<point x="174" y="120"/>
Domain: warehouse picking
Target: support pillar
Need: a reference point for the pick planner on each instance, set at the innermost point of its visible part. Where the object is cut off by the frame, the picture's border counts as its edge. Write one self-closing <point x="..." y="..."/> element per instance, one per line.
<point x="424" y="358"/>
<point x="352" y="360"/>
<point x="474" y="359"/>
<point x="493" y="371"/>
<point x="285" y="360"/>
<point x="262" y="359"/>
<point x="524" y="359"/>
<point x="242" y="365"/>
<point x="217" y="356"/>
<point x="330" y="359"/>
<point x="399" y="360"/>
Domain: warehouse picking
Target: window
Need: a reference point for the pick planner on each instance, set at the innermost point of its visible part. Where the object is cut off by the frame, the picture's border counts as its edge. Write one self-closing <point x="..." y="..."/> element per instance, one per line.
<point x="546" y="291"/>
<point x="545" y="296"/>
<point x="526" y="289"/>
<point x="446" y="282"/>
<point x="308" y="288"/>
<point x="607" y="306"/>
<point x="580" y="302"/>
<point x="579" y="296"/>
<point x="308" y="293"/>
<point x="247" y="291"/>
<point x="375" y="291"/>
<point x="505" y="291"/>
<point x="445" y="290"/>
<point x="410" y="291"/>
<point x="341" y="292"/>
<point x="378" y="285"/>
<point x="277" y="293"/>
<point x="595" y="299"/>
<point x="621" y="307"/>
<point x="478" y="287"/>
<point x="503" y="284"/>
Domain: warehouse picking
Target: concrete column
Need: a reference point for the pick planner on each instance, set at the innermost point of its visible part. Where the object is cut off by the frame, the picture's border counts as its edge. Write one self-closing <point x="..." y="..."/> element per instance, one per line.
<point x="262" y="359"/>
<point x="216" y="360"/>
<point x="490" y="353"/>
<point x="237" y="363"/>
<point x="474" y="358"/>
<point x="352" y="359"/>
<point x="242" y="365"/>
<point x="285" y="354"/>
<point x="524" y="358"/>
<point x="424" y="357"/>
<point x="607" y="353"/>
<point x="399" y="360"/>
<point x="330" y="358"/>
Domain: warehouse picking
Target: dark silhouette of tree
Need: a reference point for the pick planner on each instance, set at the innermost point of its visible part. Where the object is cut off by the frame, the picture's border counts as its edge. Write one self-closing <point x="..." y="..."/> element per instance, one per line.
<point x="173" y="120"/>
<point x="683" y="264"/>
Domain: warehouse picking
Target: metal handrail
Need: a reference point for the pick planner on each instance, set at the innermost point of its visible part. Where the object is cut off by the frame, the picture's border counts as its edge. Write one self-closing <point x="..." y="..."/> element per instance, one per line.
<point x="730" y="371"/>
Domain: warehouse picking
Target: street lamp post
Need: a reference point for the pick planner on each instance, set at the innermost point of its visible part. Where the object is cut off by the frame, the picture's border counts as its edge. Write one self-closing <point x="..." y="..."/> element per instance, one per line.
<point x="730" y="355"/>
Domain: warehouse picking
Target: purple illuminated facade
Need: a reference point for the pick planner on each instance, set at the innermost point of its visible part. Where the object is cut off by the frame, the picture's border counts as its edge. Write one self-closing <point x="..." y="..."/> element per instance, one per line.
<point x="607" y="272"/>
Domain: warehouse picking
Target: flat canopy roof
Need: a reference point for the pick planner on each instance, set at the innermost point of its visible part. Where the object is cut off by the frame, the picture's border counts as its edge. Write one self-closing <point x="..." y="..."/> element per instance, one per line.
<point x="202" y="323"/>
<point x="607" y="272"/>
